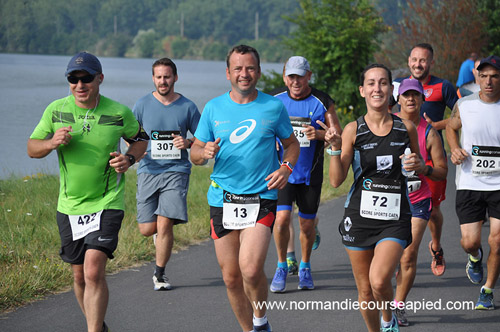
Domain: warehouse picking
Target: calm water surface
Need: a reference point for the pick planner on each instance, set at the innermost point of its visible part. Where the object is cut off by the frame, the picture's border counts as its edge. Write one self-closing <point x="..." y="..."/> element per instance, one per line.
<point x="28" y="83"/>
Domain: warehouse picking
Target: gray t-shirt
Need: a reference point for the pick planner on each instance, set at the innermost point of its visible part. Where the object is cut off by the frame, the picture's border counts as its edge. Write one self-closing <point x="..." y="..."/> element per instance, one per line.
<point x="158" y="120"/>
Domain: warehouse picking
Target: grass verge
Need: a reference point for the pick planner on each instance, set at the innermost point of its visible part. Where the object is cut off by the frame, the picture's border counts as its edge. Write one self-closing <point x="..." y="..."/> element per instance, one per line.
<point x="30" y="267"/>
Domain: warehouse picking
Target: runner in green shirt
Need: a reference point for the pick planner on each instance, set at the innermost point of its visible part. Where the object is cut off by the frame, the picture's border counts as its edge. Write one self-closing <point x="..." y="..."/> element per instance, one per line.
<point x="85" y="129"/>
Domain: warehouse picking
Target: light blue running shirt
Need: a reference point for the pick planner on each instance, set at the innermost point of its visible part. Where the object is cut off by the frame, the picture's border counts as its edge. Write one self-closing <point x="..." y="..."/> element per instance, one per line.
<point x="247" y="152"/>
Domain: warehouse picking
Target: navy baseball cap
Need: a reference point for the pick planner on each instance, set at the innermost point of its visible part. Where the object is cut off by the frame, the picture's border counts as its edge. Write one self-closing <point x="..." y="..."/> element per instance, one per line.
<point x="492" y="60"/>
<point x="84" y="61"/>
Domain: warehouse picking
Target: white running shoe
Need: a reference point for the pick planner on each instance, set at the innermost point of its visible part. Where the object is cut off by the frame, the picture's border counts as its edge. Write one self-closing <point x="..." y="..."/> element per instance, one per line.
<point x="161" y="283"/>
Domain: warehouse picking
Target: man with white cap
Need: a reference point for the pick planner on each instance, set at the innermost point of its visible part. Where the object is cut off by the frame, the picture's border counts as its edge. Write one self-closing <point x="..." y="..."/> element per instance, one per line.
<point x="85" y="129"/>
<point x="477" y="157"/>
<point x="305" y="105"/>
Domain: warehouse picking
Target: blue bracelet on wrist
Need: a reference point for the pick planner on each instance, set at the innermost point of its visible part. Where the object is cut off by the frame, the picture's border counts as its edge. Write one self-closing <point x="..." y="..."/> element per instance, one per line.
<point x="333" y="153"/>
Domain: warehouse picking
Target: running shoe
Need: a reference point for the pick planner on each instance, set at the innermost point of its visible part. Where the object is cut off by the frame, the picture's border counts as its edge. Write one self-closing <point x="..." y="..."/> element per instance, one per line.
<point x="485" y="301"/>
<point x="104" y="327"/>
<point x="305" y="279"/>
<point x="278" y="284"/>
<point x="266" y="327"/>
<point x="438" y="264"/>
<point x="401" y="317"/>
<point x="393" y="328"/>
<point x="161" y="283"/>
<point x="317" y="239"/>
<point x="293" y="267"/>
<point x="474" y="270"/>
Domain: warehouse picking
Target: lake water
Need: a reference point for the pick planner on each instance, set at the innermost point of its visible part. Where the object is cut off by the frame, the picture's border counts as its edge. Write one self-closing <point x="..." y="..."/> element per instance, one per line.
<point x="28" y="83"/>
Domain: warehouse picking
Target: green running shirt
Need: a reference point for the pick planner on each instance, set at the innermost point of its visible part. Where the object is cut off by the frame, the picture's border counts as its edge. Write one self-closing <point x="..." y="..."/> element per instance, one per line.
<point x="87" y="183"/>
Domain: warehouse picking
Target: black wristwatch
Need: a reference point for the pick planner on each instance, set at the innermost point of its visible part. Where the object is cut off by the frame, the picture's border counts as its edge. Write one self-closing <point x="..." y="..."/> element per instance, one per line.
<point x="131" y="159"/>
<point x="428" y="170"/>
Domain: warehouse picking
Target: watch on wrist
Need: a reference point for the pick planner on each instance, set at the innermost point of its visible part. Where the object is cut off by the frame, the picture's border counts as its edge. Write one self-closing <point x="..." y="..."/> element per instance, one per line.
<point x="428" y="170"/>
<point x="131" y="158"/>
<point x="287" y="165"/>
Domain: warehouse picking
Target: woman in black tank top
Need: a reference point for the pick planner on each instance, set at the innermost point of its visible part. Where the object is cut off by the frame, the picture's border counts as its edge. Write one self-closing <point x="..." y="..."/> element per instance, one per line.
<point x="376" y="226"/>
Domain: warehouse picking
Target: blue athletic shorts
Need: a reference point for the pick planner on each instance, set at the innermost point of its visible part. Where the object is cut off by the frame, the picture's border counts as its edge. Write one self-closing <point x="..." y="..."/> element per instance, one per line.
<point x="422" y="209"/>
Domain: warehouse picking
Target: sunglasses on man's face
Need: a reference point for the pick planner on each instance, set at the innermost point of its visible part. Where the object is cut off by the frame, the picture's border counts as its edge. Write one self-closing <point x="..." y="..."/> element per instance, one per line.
<point x="85" y="79"/>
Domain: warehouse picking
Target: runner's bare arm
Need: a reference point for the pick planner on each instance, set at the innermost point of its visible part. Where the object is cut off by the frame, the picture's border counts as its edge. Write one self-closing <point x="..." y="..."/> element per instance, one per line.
<point x="201" y="151"/>
<point x="436" y="151"/>
<point x="414" y="162"/>
<point x="339" y="164"/>
<point x="279" y="178"/>
<point x="39" y="148"/>
<point x="331" y="120"/>
<point x="458" y="155"/>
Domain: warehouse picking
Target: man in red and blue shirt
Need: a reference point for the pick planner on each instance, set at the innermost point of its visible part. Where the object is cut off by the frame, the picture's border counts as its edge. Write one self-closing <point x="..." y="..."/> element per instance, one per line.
<point x="439" y="94"/>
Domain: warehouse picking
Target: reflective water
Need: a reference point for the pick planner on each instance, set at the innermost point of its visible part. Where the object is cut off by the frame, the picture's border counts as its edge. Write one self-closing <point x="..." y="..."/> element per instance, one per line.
<point x="28" y="83"/>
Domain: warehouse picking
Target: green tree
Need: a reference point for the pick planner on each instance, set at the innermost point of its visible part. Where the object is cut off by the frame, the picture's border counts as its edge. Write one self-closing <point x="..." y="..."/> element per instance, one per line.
<point x="339" y="39"/>
<point x="215" y="51"/>
<point x="490" y="9"/>
<point x="144" y="43"/>
<point x="453" y="28"/>
<point x="65" y="27"/>
<point x="17" y="26"/>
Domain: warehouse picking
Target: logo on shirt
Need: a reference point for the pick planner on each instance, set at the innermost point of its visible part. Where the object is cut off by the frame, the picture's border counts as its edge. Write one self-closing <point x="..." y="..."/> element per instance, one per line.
<point x="367" y="184"/>
<point x="347" y="224"/>
<point x="475" y="150"/>
<point x="428" y="92"/>
<point x="237" y="137"/>
<point x="369" y="146"/>
<point x="218" y="123"/>
<point x="384" y="162"/>
<point x="227" y="197"/>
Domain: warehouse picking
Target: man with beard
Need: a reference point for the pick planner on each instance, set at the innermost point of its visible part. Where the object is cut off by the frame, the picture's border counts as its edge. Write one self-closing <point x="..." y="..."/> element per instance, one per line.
<point x="439" y="93"/>
<point x="163" y="173"/>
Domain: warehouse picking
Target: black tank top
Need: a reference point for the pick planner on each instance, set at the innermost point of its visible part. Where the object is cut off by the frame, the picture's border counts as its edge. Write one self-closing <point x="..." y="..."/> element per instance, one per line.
<point x="379" y="186"/>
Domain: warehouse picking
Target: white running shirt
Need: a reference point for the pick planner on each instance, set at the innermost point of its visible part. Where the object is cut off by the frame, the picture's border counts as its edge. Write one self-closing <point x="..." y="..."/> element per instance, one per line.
<point x="481" y="139"/>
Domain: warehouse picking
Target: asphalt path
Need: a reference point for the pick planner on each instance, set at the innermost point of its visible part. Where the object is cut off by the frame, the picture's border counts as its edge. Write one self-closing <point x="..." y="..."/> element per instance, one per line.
<point x="198" y="301"/>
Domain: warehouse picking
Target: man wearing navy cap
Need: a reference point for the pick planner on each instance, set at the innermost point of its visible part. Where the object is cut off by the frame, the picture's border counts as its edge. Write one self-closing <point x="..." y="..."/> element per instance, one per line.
<point x="85" y="129"/>
<point x="477" y="157"/>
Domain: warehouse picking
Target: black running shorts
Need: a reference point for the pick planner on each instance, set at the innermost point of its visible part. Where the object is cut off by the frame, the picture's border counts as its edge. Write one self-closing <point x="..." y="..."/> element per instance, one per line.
<point x="472" y="205"/>
<point x="105" y="239"/>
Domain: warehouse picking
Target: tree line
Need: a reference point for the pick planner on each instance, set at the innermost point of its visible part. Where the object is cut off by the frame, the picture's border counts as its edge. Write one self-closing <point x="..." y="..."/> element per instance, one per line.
<point x="338" y="37"/>
<point x="147" y="28"/>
